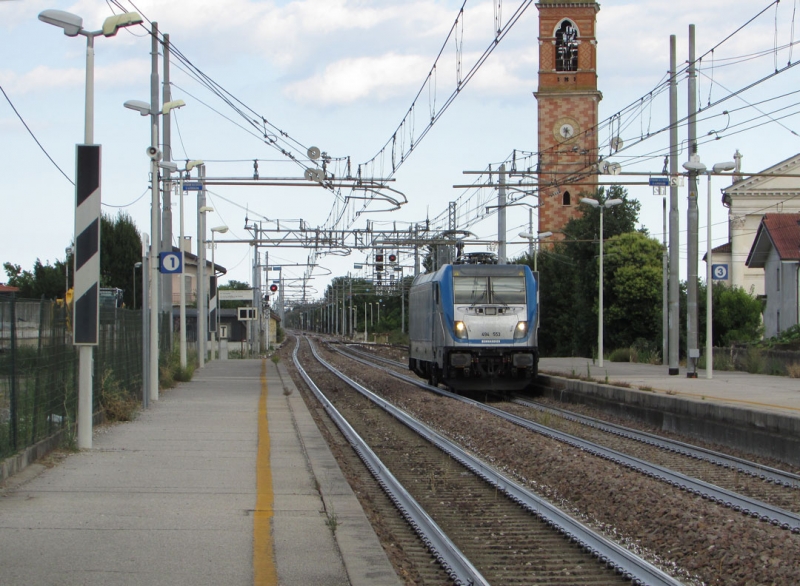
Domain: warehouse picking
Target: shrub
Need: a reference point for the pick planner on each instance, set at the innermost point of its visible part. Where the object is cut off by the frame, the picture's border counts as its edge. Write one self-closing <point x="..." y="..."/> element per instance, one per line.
<point x="620" y="355"/>
<point x="793" y="370"/>
<point x="752" y="361"/>
<point x="118" y="404"/>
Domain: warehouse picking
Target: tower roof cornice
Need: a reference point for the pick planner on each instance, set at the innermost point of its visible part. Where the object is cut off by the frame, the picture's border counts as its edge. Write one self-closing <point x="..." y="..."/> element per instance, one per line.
<point x="567" y="4"/>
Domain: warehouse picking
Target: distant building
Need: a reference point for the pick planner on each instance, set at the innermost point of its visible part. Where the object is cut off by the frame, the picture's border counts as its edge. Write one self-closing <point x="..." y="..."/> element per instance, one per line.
<point x="775" y="190"/>
<point x="776" y="252"/>
<point x="190" y="276"/>
<point x="8" y="290"/>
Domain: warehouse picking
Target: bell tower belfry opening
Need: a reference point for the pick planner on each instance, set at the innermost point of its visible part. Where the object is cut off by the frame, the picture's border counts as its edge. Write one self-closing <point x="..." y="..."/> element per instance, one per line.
<point x="568" y="101"/>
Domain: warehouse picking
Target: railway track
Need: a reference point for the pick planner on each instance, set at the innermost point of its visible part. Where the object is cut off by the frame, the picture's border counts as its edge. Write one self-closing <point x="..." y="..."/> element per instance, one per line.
<point x="768" y="494"/>
<point x="485" y="514"/>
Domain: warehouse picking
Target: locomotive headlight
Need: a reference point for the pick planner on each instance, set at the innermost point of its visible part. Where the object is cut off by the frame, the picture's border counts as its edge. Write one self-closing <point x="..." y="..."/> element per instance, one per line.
<point x="520" y="330"/>
<point x="460" y="330"/>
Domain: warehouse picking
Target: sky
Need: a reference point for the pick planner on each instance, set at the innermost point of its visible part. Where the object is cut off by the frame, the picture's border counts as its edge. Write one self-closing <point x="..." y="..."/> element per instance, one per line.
<point x="341" y="75"/>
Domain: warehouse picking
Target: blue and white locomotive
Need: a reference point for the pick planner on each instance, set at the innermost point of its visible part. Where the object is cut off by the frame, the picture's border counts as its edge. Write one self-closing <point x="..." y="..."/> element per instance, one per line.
<point x="474" y="327"/>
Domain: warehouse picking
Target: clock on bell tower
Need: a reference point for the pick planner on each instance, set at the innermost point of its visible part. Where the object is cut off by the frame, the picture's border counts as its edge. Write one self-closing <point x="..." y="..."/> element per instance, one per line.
<point x="568" y="101"/>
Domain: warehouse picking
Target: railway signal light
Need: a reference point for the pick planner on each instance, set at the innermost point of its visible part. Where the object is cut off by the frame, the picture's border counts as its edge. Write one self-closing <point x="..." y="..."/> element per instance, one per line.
<point x="392" y="258"/>
<point x="273" y="287"/>
<point x="379" y="261"/>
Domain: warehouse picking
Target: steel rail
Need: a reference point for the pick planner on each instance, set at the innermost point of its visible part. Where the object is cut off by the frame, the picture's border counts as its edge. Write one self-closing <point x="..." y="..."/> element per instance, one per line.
<point x="454" y="562"/>
<point x="740" y="503"/>
<point x="766" y="473"/>
<point x="626" y="563"/>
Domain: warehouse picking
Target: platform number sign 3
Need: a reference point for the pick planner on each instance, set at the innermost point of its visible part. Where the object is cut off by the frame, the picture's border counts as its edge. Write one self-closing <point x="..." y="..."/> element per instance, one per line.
<point x="719" y="272"/>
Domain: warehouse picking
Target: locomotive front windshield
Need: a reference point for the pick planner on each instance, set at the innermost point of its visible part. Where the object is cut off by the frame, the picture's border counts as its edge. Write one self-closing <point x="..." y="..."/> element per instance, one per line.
<point x="504" y="290"/>
<point x="508" y="290"/>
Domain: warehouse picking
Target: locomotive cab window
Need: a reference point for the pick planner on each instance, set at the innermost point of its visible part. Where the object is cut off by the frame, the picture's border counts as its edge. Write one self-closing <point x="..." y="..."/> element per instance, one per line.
<point x="471" y="289"/>
<point x="502" y="290"/>
<point x="508" y="290"/>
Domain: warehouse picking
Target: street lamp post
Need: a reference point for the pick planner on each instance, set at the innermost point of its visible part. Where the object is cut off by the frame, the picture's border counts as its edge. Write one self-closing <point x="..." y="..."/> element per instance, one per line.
<point x="136" y="266"/>
<point x="596" y="204"/>
<point x="182" y="286"/>
<point x="144" y="109"/>
<point x="73" y="26"/>
<point x="221" y="230"/>
<point x="698" y="168"/>
<point x="534" y="251"/>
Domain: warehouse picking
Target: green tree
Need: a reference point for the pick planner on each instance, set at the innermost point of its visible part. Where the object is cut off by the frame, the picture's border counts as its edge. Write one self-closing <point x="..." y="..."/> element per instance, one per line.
<point x="632" y="290"/>
<point x="736" y="317"/>
<point x="45" y="280"/>
<point x="120" y="250"/>
<point x="569" y="276"/>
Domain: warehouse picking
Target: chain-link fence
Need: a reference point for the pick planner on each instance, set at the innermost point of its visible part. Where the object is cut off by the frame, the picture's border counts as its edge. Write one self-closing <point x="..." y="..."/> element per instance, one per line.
<point x="39" y="367"/>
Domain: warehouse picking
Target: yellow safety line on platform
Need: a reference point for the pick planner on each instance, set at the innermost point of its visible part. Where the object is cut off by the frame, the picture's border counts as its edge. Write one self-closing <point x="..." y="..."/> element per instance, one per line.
<point x="264" y="572"/>
<point x="703" y="397"/>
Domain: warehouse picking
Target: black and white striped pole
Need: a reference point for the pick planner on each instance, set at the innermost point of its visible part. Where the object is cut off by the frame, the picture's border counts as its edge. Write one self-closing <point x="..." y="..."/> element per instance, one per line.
<point x="86" y="318"/>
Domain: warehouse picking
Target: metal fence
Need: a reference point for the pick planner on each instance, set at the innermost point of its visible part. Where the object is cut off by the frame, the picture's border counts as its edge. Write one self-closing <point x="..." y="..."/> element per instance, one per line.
<point x="39" y="367"/>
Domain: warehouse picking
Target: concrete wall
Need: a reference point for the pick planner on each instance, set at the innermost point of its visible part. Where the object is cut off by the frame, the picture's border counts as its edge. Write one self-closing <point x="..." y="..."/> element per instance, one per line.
<point x="764" y="434"/>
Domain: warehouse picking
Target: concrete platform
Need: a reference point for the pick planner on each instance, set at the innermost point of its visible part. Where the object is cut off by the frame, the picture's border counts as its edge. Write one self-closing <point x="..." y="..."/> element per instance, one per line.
<point x="225" y="480"/>
<point x="759" y="414"/>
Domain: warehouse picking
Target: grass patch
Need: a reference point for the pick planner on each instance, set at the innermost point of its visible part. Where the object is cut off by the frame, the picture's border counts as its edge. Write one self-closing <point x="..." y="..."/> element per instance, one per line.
<point x="117" y="403"/>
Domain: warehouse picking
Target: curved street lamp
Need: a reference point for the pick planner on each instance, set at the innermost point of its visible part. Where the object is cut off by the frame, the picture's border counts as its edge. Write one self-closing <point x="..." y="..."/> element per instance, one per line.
<point x="534" y="252"/>
<point x="698" y="168"/>
<point x="144" y="109"/>
<point x="72" y="25"/>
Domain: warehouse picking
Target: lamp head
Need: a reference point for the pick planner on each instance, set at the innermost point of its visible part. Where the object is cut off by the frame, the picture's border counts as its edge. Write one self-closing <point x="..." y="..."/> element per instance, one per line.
<point x="527" y="235"/>
<point x="71" y="23"/>
<point x="113" y="23"/>
<point x="192" y="164"/>
<point x="173" y="105"/>
<point x="220" y="229"/>
<point x="169" y="166"/>
<point x="138" y="105"/>
<point x="725" y="166"/>
<point x="137" y="265"/>
<point x="589" y="201"/>
<point x="205" y="209"/>
<point x="694" y="166"/>
<point x="612" y="202"/>
<point x="545" y="235"/>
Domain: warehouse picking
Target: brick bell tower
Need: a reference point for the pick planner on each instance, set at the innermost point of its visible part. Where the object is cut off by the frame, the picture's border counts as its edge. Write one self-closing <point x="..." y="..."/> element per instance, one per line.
<point x="567" y="105"/>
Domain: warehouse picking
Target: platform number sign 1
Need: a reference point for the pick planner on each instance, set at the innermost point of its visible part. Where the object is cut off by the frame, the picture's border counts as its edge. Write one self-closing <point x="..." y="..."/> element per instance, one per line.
<point x="170" y="262"/>
<point x="719" y="272"/>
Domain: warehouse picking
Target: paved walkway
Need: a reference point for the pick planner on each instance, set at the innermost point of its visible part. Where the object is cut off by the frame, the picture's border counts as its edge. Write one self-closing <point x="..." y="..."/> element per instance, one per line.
<point x="224" y="481"/>
<point x="754" y="391"/>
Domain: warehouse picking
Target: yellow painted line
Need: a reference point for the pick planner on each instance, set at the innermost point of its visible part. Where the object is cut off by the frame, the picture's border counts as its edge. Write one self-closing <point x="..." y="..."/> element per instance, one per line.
<point x="729" y="400"/>
<point x="264" y="571"/>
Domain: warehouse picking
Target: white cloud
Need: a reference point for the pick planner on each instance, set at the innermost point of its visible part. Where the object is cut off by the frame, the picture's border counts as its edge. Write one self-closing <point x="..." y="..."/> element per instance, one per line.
<point x="44" y="78"/>
<point x="350" y="80"/>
